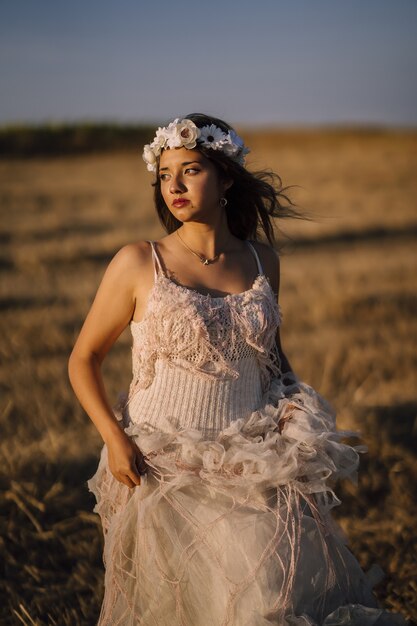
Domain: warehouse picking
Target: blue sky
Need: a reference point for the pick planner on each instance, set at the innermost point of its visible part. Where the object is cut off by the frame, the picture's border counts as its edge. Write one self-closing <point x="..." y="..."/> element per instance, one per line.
<point x="282" y="62"/>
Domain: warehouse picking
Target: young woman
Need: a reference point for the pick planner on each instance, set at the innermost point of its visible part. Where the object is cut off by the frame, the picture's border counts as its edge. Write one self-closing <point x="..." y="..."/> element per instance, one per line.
<point x="215" y="482"/>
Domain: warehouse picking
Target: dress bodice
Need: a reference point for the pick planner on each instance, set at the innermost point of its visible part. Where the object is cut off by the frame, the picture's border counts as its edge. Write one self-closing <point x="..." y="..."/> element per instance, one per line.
<point x="218" y="344"/>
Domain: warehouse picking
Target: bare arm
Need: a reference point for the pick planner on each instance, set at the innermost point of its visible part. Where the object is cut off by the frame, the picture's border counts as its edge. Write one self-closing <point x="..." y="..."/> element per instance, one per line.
<point x="109" y="315"/>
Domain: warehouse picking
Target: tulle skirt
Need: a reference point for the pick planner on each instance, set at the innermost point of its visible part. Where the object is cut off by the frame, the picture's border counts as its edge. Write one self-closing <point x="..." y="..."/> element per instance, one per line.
<point x="236" y="530"/>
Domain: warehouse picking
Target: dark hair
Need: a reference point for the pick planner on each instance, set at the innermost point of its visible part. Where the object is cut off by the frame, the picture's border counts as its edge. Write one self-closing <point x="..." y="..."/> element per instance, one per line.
<point x="253" y="199"/>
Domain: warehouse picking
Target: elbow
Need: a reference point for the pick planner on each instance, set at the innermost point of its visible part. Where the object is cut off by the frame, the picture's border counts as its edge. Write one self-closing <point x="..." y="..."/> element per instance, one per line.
<point x="77" y="362"/>
<point x="72" y="366"/>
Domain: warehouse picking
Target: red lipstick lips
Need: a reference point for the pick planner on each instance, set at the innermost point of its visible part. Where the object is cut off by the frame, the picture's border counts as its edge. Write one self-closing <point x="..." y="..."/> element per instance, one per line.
<point x="180" y="202"/>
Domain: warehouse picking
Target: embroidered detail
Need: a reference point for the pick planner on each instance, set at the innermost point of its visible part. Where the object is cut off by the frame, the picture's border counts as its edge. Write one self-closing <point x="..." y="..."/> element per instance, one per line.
<point x="203" y="333"/>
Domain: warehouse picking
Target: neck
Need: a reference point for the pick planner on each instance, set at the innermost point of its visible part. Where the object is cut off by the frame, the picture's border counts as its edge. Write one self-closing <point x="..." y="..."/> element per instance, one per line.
<point x="207" y="239"/>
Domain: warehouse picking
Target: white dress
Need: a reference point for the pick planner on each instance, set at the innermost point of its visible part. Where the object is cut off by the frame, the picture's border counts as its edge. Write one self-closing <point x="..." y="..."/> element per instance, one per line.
<point x="231" y="526"/>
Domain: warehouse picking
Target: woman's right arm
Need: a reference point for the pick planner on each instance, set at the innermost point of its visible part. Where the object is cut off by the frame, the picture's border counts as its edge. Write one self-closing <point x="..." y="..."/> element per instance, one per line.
<point x="109" y="315"/>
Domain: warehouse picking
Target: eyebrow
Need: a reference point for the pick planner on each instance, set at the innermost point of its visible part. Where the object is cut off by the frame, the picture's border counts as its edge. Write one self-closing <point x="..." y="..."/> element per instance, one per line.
<point x="182" y="164"/>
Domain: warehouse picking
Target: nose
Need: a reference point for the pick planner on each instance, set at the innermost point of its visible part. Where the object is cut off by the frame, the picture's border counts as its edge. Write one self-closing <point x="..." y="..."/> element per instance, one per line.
<point x="176" y="184"/>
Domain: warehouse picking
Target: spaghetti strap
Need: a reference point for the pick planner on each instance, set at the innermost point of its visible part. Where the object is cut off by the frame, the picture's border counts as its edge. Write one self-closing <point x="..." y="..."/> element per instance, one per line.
<point x="260" y="269"/>
<point x="157" y="263"/>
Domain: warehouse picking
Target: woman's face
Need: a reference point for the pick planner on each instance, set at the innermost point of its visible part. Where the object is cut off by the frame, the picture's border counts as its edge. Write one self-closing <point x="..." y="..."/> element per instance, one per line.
<point x="190" y="184"/>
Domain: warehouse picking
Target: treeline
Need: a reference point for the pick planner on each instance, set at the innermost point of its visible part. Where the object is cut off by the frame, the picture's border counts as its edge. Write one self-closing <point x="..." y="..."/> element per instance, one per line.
<point x="93" y="137"/>
<point x="77" y="138"/>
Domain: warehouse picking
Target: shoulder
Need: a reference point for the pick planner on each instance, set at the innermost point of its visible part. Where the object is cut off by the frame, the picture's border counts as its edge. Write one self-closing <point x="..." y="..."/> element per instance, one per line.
<point x="129" y="260"/>
<point x="132" y="254"/>
<point x="269" y="259"/>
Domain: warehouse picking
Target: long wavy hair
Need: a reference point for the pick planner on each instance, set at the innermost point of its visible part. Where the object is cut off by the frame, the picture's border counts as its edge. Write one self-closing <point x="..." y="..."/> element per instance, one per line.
<point x="253" y="200"/>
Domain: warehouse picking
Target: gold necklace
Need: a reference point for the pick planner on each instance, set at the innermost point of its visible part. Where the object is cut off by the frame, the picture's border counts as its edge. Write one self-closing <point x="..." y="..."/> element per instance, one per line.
<point x="204" y="260"/>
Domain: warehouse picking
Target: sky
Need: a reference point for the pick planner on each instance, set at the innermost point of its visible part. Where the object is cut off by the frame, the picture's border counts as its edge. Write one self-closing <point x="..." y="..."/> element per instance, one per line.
<point x="258" y="62"/>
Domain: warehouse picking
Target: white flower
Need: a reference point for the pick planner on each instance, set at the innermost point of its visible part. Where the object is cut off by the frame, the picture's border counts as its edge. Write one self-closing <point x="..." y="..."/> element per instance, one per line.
<point x="189" y="133"/>
<point x="172" y="135"/>
<point x="178" y="133"/>
<point x="159" y="141"/>
<point x="185" y="133"/>
<point x="149" y="157"/>
<point x="212" y="137"/>
<point x="235" y="147"/>
<point x="235" y="143"/>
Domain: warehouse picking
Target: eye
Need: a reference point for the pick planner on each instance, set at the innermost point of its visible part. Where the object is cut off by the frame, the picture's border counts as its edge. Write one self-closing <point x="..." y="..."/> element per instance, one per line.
<point x="192" y="170"/>
<point x="163" y="177"/>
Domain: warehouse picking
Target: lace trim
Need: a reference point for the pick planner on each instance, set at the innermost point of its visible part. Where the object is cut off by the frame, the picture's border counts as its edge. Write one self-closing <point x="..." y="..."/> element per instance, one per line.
<point x="205" y="334"/>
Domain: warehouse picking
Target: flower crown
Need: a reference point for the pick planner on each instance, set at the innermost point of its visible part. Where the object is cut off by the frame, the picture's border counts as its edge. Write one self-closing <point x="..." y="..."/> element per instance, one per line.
<point x="185" y="134"/>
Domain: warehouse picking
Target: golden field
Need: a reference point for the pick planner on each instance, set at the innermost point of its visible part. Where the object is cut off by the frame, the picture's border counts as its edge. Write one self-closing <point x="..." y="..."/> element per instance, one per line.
<point x="348" y="293"/>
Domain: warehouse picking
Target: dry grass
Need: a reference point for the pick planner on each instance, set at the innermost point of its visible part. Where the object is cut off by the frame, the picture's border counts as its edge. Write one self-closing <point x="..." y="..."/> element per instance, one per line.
<point x="349" y="299"/>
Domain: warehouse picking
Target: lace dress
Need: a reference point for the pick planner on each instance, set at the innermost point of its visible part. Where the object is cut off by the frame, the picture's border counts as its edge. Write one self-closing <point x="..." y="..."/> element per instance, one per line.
<point x="232" y="525"/>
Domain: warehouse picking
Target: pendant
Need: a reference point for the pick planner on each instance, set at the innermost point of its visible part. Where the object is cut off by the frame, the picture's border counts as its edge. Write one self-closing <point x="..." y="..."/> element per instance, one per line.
<point x="205" y="262"/>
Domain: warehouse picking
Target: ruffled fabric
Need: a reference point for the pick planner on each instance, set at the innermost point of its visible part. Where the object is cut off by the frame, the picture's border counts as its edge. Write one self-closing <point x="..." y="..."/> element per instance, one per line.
<point x="236" y="530"/>
<point x="292" y="438"/>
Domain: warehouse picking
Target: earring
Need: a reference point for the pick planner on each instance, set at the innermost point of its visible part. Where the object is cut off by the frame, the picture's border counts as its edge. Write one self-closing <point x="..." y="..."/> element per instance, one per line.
<point x="223" y="202"/>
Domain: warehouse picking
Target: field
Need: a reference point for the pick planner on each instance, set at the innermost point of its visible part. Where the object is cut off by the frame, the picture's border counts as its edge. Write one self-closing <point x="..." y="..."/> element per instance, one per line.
<point x="348" y="292"/>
